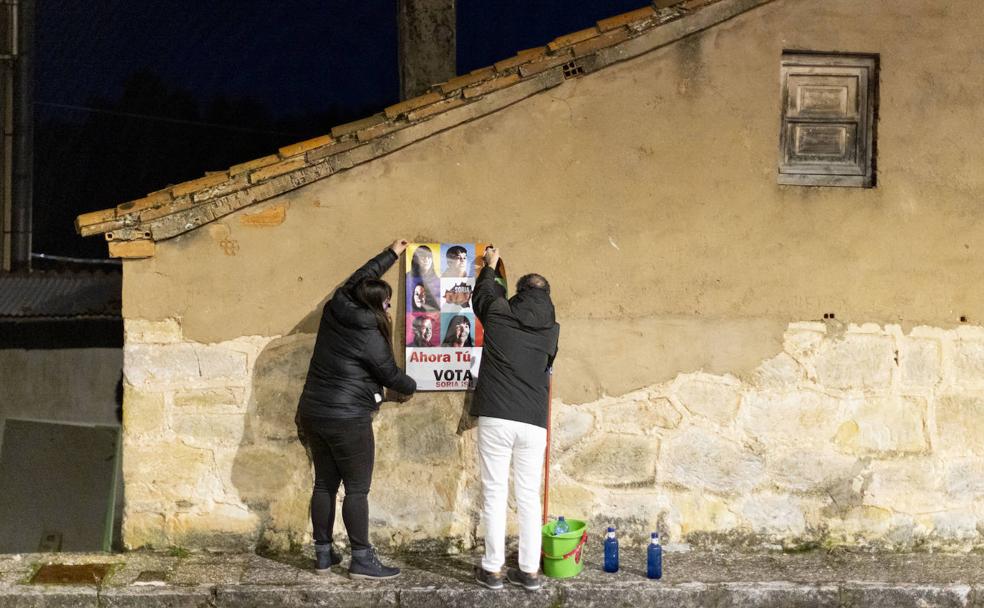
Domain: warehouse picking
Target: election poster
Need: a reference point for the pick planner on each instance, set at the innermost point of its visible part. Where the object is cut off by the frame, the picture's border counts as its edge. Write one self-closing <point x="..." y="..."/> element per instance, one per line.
<point x="443" y="336"/>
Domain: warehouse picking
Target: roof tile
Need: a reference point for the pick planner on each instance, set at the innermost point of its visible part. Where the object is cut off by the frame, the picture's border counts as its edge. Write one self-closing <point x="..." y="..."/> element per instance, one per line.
<point x="143" y="248"/>
<point x="625" y="18"/>
<point x="254" y="164"/>
<point x="304" y="146"/>
<point x="435" y="108"/>
<point x="178" y="204"/>
<point x="491" y="85"/>
<point x="381" y="129"/>
<point x="357" y="125"/>
<point x="151" y="200"/>
<point x="335" y="148"/>
<point x="91" y="229"/>
<point x="520" y="58"/>
<point x="460" y="82"/>
<point x="569" y="39"/>
<point x="607" y="39"/>
<point x="549" y="61"/>
<point x="285" y="166"/>
<point x="412" y="104"/>
<point x="199" y="184"/>
<point x="96" y="217"/>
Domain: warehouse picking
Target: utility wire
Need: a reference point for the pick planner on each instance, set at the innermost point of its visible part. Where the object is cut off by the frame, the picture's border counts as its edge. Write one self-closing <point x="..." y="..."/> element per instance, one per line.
<point x="61" y="258"/>
<point x="178" y="121"/>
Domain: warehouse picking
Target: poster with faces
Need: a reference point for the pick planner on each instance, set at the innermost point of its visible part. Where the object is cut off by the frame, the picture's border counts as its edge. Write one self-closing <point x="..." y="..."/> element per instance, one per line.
<point x="443" y="336"/>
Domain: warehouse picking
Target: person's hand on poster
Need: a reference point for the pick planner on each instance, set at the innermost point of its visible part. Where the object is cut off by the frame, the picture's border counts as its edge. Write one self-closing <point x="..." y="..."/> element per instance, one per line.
<point x="399" y="246"/>
<point x="491" y="256"/>
<point x="391" y="395"/>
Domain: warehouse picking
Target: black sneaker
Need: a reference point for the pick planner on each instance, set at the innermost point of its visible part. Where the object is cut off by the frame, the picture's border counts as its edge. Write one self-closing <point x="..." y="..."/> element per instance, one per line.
<point x="530" y="582"/>
<point x="325" y="557"/>
<point x="492" y="580"/>
<point x="365" y="564"/>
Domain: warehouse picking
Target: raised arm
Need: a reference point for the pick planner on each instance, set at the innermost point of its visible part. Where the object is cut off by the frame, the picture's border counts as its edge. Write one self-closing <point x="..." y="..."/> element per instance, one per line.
<point x="487" y="290"/>
<point x="378" y="265"/>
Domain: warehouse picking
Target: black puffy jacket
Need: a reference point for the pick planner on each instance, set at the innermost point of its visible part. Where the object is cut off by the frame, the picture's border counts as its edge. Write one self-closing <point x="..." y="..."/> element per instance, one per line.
<point x="520" y="345"/>
<point x="351" y="360"/>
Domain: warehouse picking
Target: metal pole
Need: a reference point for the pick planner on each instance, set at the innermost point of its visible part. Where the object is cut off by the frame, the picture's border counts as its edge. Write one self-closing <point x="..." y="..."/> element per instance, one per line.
<point x="22" y="185"/>
<point x="546" y="455"/>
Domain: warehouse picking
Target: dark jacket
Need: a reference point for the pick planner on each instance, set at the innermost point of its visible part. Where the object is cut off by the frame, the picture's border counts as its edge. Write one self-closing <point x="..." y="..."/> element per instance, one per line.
<point x="351" y="360"/>
<point x="520" y="345"/>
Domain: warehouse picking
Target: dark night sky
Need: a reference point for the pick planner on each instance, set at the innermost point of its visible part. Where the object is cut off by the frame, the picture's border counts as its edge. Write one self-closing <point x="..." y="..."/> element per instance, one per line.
<point x="134" y="95"/>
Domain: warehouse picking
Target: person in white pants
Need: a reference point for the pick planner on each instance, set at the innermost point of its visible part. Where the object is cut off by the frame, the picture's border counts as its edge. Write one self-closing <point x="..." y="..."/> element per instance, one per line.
<point x="511" y="404"/>
<point x="500" y="441"/>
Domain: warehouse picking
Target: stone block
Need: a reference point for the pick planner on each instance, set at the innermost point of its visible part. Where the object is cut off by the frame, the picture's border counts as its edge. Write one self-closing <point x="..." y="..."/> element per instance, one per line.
<point x="639" y="414"/>
<point x="260" y="474"/>
<point x="695" y="512"/>
<point x="223" y="527"/>
<point x="569" y="426"/>
<point x="773" y="515"/>
<point x="960" y="423"/>
<point x="809" y="470"/>
<point x="424" y="431"/>
<point x="858" y="361"/>
<point x="143" y="414"/>
<point x="159" y="364"/>
<point x="615" y="461"/>
<point x="781" y="372"/>
<point x="697" y="458"/>
<point x="956" y="526"/>
<point x="802" y="417"/>
<point x="226" y="399"/>
<point x="908" y="486"/>
<point x="176" y="470"/>
<point x="207" y="430"/>
<point x="968" y="363"/>
<point x="216" y="361"/>
<point x="143" y="529"/>
<point x="713" y="397"/>
<point x="142" y="331"/>
<point x="920" y="362"/>
<point x="884" y="425"/>
<point x="572" y="497"/>
<point x="964" y="479"/>
<point x="803" y="340"/>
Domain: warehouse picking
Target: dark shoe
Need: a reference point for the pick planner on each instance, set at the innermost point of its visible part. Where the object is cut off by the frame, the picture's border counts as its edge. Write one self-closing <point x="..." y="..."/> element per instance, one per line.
<point x="365" y="564"/>
<point x="492" y="580"/>
<point x="325" y="557"/>
<point x="530" y="582"/>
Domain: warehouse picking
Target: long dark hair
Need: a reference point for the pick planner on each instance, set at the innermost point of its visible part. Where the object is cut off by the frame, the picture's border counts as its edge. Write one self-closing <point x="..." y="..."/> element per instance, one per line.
<point x="454" y="322"/>
<point x="371" y="293"/>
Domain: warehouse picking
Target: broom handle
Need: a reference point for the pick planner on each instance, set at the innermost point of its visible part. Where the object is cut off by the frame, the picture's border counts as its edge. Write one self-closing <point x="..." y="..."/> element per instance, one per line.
<point x="546" y="455"/>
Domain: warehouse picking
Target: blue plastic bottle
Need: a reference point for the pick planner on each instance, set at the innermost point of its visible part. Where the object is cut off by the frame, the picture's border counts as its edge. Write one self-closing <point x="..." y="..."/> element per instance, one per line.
<point x="611" y="551"/>
<point x="561" y="527"/>
<point x="654" y="558"/>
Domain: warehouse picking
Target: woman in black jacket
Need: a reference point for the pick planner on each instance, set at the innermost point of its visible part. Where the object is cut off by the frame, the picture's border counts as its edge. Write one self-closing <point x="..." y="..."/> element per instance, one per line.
<point x="351" y="364"/>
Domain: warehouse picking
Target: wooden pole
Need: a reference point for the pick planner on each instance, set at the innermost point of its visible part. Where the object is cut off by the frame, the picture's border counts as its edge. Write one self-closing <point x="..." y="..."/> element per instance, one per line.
<point x="546" y="455"/>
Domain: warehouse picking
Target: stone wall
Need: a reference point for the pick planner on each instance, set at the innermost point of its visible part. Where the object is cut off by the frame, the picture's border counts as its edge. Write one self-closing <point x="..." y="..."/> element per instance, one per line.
<point x="858" y="435"/>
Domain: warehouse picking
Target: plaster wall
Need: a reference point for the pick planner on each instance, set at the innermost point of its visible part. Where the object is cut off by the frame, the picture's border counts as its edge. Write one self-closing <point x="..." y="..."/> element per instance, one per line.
<point x="647" y="194"/>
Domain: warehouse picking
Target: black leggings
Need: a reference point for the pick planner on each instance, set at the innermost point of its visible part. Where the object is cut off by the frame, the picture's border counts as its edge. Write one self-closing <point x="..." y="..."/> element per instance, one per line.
<point x="343" y="452"/>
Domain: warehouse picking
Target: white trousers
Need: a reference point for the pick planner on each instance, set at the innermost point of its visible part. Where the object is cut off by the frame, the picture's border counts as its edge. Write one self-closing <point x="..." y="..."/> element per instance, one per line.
<point x="500" y="441"/>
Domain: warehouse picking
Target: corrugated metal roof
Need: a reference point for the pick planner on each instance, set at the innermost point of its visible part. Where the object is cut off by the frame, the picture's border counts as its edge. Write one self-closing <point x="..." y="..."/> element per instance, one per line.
<point x="60" y="295"/>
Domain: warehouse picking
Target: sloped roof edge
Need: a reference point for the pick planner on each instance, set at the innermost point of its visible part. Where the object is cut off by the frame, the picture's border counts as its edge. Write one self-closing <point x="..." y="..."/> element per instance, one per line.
<point x="134" y="227"/>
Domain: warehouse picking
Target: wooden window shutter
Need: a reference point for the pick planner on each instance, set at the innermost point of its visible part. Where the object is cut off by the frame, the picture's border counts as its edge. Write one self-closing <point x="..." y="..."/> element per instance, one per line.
<point x="827" y="133"/>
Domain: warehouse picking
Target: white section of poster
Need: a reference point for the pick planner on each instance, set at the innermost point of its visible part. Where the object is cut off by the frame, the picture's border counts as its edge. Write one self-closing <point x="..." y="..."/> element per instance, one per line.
<point x="444" y="369"/>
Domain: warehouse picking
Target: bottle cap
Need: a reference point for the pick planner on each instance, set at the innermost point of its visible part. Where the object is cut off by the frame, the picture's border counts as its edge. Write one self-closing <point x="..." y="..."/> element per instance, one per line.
<point x="611" y="528"/>
<point x="655" y="535"/>
<point x="560" y="518"/>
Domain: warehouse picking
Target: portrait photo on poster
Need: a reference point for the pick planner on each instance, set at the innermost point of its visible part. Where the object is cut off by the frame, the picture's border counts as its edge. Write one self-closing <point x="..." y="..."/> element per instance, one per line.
<point x="423" y="330"/>
<point x="422" y="295"/>
<point x="457" y="259"/>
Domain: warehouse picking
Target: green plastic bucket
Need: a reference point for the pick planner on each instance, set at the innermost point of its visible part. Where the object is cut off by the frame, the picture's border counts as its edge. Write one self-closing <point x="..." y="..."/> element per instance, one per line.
<point x="563" y="554"/>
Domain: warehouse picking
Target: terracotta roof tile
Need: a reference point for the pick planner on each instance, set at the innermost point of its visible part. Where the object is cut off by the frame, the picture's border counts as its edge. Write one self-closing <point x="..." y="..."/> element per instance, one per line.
<point x="569" y="39"/>
<point x="96" y="217"/>
<point x="549" y="61"/>
<point x="284" y="166"/>
<point x="143" y="248"/>
<point x="198" y="184"/>
<point x="435" y="108"/>
<point x="357" y="125"/>
<point x="173" y="206"/>
<point x="381" y="129"/>
<point x="625" y="18"/>
<point x="236" y="182"/>
<point x="92" y="229"/>
<point x="151" y="200"/>
<point x="460" y="82"/>
<point x="520" y="58"/>
<point x="304" y="146"/>
<point x="491" y="85"/>
<point x="607" y="39"/>
<point x="412" y="104"/>
<point x="253" y="164"/>
<point x="335" y="148"/>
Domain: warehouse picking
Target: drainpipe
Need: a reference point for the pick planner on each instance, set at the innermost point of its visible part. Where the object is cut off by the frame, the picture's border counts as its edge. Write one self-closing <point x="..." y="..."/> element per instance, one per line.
<point x="22" y="186"/>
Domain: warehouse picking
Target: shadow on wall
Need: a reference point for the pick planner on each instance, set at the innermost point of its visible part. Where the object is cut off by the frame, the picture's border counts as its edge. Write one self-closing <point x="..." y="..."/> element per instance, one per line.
<point x="425" y="480"/>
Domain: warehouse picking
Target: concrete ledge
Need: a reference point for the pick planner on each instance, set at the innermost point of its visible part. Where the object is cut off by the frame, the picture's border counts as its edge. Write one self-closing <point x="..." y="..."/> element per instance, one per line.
<point x="693" y="579"/>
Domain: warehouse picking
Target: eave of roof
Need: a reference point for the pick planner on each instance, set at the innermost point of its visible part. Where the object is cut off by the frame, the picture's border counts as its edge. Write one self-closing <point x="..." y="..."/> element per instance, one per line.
<point x="60" y="296"/>
<point x="134" y="227"/>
